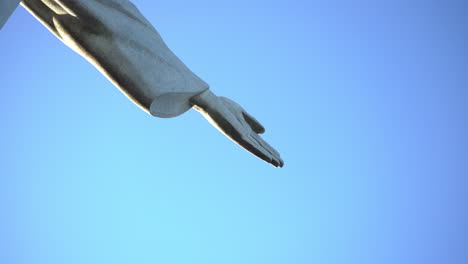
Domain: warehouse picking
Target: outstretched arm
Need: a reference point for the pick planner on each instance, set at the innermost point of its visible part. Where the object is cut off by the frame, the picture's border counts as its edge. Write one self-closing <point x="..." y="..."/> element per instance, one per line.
<point x="116" y="38"/>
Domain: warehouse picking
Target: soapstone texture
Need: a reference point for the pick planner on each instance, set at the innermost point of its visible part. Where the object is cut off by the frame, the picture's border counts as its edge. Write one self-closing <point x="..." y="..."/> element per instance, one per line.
<point x="118" y="40"/>
<point x="123" y="45"/>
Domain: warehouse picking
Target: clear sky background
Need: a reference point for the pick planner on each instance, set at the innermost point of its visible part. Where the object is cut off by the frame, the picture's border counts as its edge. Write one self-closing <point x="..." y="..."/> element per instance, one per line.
<point x="367" y="102"/>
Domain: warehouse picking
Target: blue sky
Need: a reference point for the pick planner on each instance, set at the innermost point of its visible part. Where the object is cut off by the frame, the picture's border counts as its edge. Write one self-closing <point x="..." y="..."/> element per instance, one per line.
<point x="365" y="100"/>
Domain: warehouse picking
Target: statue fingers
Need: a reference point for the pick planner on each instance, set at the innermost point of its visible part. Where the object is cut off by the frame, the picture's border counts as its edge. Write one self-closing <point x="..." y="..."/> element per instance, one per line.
<point x="249" y="144"/>
<point x="275" y="156"/>
<point x="268" y="154"/>
<point x="267" y="146"/>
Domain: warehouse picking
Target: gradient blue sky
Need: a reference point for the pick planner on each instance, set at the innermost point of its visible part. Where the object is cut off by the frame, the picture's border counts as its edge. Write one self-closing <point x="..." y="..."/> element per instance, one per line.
<point x="367" y="102"/>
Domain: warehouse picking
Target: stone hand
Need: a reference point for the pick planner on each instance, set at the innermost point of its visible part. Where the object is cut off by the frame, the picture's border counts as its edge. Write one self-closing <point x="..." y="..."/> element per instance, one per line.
<point x="234" y="122"/>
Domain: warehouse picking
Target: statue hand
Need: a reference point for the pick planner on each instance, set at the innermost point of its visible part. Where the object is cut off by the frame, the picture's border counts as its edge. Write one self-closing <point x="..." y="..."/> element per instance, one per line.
<point x="234" y="122"/>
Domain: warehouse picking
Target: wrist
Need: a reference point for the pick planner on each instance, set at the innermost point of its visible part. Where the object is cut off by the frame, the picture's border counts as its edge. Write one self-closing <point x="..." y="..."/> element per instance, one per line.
<point x="203" y="100"/>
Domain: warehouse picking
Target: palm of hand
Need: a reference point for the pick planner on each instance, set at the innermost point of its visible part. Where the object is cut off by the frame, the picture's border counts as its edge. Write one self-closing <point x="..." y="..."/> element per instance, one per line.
<point x="233" y="121"/>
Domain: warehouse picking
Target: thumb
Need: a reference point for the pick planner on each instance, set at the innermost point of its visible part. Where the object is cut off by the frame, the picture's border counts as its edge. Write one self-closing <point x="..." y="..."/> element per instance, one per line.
<point x="253" y="123"/>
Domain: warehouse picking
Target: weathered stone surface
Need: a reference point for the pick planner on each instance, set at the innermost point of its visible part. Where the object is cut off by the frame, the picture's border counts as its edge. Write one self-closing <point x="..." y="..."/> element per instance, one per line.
<point x="118" y="40"/>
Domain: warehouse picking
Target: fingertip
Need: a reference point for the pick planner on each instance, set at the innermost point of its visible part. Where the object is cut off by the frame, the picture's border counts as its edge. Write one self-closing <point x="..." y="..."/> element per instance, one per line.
<point x="274" y="163"/>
